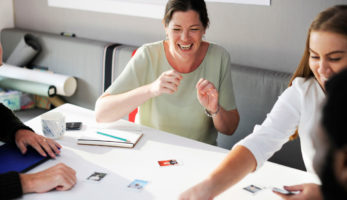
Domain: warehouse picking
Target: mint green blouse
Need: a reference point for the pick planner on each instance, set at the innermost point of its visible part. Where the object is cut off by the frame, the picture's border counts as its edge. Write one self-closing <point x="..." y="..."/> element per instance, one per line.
<point x="179" y="113"/>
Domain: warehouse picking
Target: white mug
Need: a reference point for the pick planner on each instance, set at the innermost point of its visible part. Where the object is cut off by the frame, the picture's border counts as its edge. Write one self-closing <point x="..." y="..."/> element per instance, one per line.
<point x="53" y="124"/>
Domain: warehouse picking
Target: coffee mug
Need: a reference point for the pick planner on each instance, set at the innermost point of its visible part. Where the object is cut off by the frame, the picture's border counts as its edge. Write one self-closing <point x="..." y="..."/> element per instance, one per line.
<point x="53" y="124"/>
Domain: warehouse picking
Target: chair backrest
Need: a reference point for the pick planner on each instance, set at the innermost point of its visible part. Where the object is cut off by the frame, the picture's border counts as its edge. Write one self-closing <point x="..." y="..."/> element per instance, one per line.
<point x="121" y="56"/>
<point x="132" y="114"/>
<point x="256" y="91"/>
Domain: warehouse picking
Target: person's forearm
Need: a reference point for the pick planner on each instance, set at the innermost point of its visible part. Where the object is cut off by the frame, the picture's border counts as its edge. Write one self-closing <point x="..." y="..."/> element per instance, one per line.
<point x="113" y="107"/>
<point x="226" y="122"/>
<point x="238" y="163"/>
<point x="26" y="182"/>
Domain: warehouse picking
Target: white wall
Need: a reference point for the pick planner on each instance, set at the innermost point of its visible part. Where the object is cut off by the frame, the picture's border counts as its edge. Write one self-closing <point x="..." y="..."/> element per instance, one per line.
<point x="6" y="14"/>
<point x="260" y="36"/>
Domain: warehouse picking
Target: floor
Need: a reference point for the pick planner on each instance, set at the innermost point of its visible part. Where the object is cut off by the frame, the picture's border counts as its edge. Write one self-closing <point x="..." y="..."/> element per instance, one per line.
<point x="25" y="115"/>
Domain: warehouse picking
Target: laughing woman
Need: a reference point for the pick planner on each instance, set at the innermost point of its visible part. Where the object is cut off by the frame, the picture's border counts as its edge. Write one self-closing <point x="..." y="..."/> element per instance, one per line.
<point x="181" y="85"/>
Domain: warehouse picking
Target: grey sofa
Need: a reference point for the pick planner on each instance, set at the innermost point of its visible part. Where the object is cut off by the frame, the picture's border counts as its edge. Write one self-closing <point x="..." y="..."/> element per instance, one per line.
<point x="96" y="64"/>
<point x="256" y="91"/>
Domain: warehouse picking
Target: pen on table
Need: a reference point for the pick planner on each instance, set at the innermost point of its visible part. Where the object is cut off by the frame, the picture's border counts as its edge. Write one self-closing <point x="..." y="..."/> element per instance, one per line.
<point x="112" y="136"/>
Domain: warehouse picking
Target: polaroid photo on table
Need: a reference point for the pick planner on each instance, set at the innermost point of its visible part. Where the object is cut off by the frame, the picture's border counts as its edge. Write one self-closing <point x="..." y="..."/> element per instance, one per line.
<point x="171" y="162"/>
<point x="137" y="184"/>
<point x="253" y="189"/>
<point x="96" y="177"/>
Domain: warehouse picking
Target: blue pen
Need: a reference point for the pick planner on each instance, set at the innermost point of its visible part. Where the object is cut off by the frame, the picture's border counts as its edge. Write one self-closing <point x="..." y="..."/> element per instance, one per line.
<point x="112" y="136"/>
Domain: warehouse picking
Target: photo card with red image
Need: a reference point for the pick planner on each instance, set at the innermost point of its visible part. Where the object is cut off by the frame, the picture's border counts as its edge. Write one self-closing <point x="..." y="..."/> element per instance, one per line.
<point x="171" y="162"/>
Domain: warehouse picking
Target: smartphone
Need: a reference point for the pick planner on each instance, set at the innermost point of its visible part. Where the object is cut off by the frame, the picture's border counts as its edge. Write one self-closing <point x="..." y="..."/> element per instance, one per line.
<point x="73" y="126"/>
<point x="283" y="191"/>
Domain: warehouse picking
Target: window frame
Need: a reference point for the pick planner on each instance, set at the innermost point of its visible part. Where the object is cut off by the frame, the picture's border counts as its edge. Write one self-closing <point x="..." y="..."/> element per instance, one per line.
<point x="141" y="8"/>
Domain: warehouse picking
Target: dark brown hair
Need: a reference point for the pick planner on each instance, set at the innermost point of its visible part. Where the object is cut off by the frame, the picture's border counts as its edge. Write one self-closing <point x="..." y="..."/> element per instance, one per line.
<point x="185" y="5"/>
<point x="334" y="20"/>
<point x="335" y="109"/>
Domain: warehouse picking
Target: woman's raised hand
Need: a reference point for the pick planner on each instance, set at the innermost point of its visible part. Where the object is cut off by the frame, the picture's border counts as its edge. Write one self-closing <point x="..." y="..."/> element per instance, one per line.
<point x="207" y="95"/>
<point x="167" y="82"/>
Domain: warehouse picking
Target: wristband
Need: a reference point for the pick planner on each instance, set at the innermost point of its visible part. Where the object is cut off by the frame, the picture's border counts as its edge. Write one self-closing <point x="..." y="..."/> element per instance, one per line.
<point x="208" y="113"/>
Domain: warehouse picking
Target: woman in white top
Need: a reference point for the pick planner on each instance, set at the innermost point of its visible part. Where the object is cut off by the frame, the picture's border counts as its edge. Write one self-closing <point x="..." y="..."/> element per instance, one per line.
<point x="296" y="108"/>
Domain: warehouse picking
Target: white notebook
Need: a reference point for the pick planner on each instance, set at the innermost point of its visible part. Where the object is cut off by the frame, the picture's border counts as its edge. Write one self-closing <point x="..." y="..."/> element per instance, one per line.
<point x="111" y="137"/>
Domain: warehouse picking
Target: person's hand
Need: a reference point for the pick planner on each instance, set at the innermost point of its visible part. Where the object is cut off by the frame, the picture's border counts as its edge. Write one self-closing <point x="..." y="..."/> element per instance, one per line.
<point x="59" y="177"/>
<point x="207" y="95"/>
<point x="200" y="191"/>
<point x="309" y="191"/>
<point x="167" y="82"/>
<point x="41" y="144"/>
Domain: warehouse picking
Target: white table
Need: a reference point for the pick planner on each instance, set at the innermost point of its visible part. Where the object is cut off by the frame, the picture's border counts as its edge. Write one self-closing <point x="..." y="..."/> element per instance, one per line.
<point x="123" y="165"/>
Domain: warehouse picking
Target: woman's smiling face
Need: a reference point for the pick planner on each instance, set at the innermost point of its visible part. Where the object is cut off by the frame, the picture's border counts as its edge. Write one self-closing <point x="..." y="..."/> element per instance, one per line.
<point x="328" y="54"/>
<point x="184" y="33"/>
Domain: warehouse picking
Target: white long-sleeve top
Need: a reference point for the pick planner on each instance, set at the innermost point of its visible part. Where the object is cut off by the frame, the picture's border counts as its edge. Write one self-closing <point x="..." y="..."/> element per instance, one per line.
<point x="297" y="107"/>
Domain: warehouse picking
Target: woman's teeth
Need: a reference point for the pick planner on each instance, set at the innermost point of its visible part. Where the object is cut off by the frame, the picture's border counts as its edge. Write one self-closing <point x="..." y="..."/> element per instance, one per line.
<point x="185" y="47"/>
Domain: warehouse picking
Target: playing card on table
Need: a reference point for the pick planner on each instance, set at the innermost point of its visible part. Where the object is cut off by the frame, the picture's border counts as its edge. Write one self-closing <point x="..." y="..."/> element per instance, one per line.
<point x="138" y="184"/>
<point x="171" y="162"/>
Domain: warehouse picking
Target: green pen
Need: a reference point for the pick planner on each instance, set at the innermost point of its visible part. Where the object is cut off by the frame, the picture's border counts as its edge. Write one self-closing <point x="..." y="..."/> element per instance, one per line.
<point x="112" y="136"/>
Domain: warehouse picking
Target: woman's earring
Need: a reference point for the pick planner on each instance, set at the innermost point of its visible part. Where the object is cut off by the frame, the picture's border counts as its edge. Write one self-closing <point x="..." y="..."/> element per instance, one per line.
<point x="204" y="37"/>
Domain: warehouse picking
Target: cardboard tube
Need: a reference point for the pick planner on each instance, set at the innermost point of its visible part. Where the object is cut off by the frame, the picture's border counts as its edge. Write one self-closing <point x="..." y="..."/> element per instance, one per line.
<point x="25" y="51"/>
<point x="65" y="85"/>
<point x="28" y="87"/>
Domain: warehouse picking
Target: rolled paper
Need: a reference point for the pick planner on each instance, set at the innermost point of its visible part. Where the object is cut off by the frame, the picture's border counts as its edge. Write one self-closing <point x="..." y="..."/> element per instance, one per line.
<point x="27" y="48"/>
<point x="28" y="86"/>
<point x="65" y="85"/>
